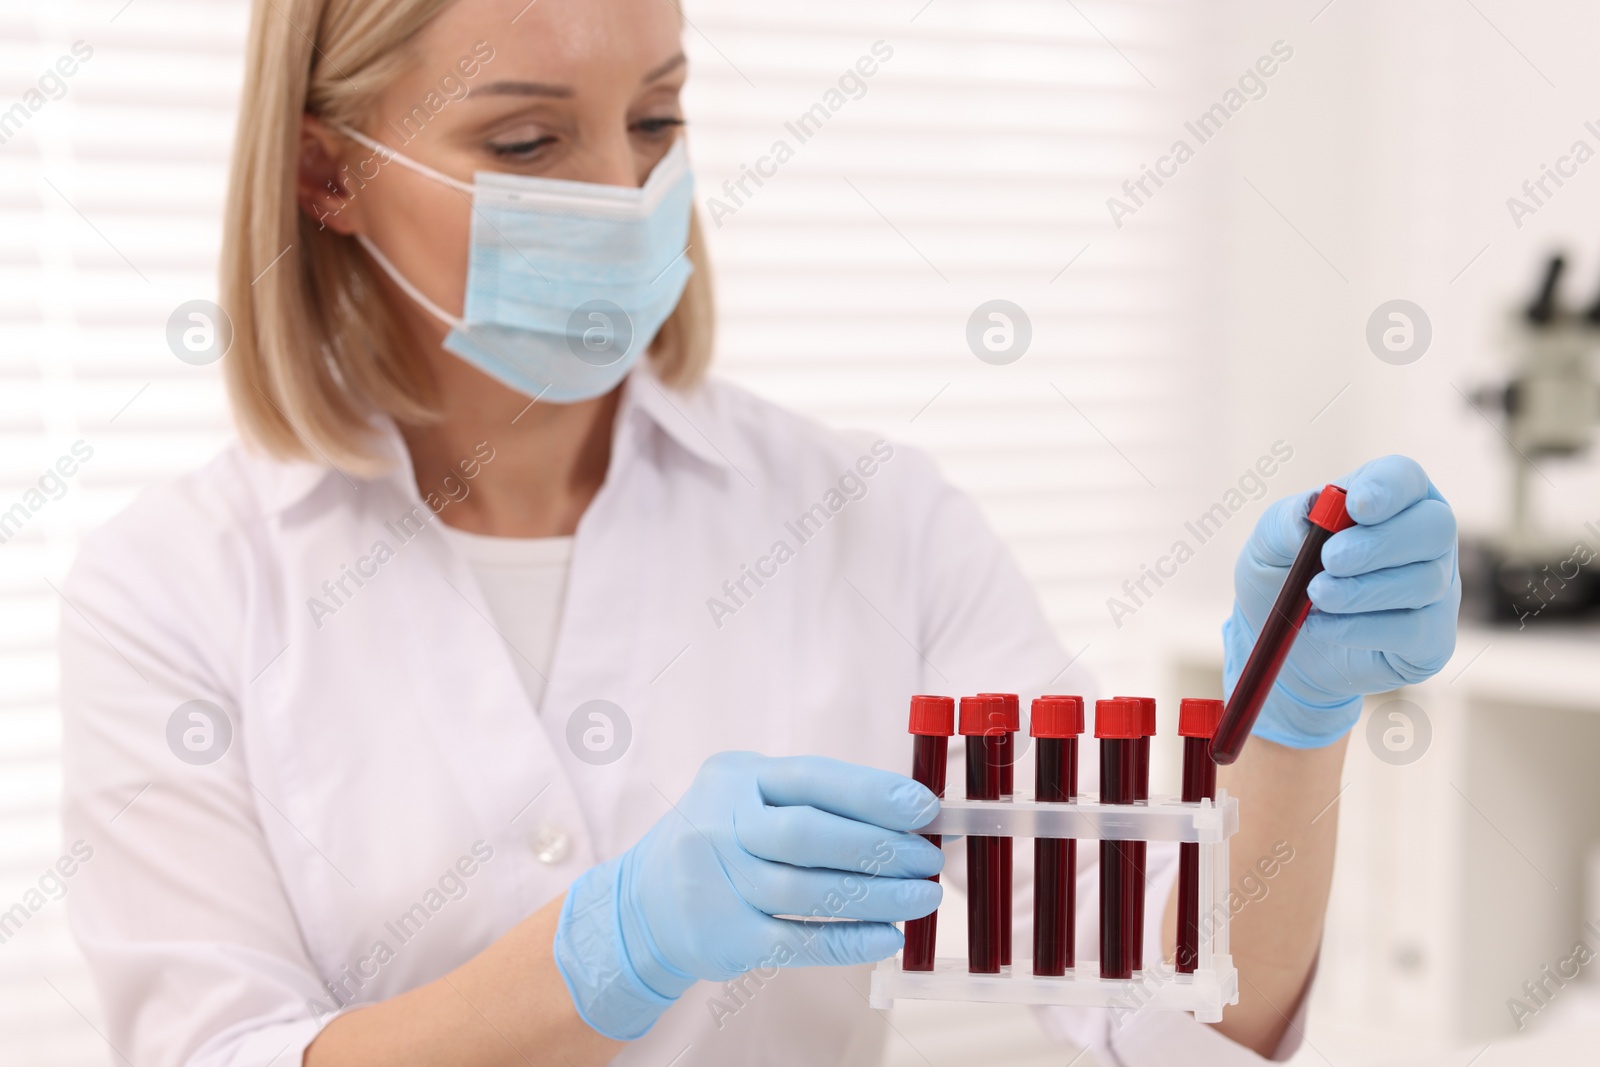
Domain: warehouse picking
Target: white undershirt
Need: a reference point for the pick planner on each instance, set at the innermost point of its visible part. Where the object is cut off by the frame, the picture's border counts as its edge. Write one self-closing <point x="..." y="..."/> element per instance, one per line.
<point x="524" y="581"/>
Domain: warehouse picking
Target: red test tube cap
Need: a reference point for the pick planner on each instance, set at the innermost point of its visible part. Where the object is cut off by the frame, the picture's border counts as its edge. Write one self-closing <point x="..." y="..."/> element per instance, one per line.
<point x="1199" y="718"/>
<point x="1328" y="511"/>
<point x="1056" y="716"/>
<point x="1011" y="706"/>
<point x="1147" y="714"/>
<point x="1118" y="718"/>
<point x="933" y="716"/>
<point x="982" y="716"/>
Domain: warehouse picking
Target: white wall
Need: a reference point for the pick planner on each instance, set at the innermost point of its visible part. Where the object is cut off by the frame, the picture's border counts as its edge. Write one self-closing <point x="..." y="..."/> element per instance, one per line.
<point x="1392" y="147"/>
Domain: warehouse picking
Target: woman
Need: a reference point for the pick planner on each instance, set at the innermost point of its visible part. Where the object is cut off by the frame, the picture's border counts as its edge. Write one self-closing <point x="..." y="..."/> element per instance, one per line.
<point x="421" y="728"/>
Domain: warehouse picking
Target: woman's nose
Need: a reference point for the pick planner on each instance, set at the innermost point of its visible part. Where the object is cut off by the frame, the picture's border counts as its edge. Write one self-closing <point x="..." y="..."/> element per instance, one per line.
<point x="610" y="163"/>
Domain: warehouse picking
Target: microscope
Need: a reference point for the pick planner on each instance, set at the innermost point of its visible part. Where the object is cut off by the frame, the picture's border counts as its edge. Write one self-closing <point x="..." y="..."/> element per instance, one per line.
<point x="1548" y="408"/>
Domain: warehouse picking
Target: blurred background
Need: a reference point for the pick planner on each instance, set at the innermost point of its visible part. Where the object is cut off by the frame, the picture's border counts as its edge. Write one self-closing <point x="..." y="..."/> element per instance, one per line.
<point x="1339" y="264"/>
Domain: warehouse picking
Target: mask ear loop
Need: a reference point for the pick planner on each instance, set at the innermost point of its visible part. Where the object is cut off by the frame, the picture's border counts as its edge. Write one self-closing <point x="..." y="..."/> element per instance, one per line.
<point x="405" y="285"/>
<point x="390" y="155"/>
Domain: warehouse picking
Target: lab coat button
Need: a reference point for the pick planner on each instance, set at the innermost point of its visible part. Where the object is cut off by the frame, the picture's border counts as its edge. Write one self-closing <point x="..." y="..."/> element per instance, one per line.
<point x="550" y="844"/>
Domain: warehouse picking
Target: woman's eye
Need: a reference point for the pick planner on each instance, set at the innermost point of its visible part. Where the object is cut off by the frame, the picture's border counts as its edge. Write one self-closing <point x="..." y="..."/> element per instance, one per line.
<point x="525" y="149"/>
<point x="658" y="126"/>
<point x="519" y="149"/>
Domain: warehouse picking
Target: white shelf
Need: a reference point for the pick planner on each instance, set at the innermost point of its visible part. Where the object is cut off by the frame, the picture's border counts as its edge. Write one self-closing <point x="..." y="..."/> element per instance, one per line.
<point x="1547" y="664"/>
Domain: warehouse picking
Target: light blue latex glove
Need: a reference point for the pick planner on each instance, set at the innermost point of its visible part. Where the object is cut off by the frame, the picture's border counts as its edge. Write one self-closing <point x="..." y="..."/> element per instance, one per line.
<point x="1383" y="612"/>
<point x="753" y="838"/>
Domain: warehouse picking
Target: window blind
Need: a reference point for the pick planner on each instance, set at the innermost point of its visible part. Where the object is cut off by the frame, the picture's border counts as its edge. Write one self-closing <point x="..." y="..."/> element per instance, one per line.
<point x="973" y="165"/>
<point x="111" y="181"/>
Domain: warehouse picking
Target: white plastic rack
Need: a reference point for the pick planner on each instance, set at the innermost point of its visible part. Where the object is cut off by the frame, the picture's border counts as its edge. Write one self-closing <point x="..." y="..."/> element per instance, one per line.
<point x="1214" y="983"/>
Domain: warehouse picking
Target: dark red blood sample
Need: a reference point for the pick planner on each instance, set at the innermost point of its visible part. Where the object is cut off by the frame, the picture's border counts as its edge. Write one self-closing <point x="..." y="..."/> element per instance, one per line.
<point x="982" y="724"/>
<point x="1055" y="725"/>
<point x="1328" y="516"/>
<point x="1008" y="757"/>
<point x="1117" y="725"/>
<point x="933" y="721"/>
<point x="1197" y="723"/>
<point x="1141" y="795"/>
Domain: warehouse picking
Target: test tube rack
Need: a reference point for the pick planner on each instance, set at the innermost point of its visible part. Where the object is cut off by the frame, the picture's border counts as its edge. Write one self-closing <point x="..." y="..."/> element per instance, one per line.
<point x="1214" y="982"/>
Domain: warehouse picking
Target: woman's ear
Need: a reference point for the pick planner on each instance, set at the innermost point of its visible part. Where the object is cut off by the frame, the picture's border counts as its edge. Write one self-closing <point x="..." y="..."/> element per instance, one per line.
<point x="321" y="187"/>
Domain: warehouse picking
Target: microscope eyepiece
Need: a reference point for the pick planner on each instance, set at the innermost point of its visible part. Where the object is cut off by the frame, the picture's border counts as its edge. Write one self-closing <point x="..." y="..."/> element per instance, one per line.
<point x="1542" y="311"/>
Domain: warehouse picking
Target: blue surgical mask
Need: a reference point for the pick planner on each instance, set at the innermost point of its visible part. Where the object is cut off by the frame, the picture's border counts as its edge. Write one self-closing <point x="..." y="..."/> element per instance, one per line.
<point x="568" y="282"/>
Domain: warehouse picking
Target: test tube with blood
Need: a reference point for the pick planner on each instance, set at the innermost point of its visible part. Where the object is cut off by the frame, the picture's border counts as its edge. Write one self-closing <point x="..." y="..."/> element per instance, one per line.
<point x="982" y="724"/>
<point x="933" y="721"/>
<point x="1327" y="517"/>
<point x="1054" y="725"/>
<point x="1008" y="756"/>
<point x="1197" y="724"/>
<point x="1140" y="849"/>
<point x="1118" y="723"/>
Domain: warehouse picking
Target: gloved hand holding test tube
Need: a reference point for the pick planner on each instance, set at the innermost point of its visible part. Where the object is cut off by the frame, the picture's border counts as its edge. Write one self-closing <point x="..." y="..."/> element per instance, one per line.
<point x="1377" y="562"/>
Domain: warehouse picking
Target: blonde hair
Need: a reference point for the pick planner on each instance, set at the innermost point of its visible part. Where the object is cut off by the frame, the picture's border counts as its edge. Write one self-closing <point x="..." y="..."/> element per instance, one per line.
<point x="316" y="350"/>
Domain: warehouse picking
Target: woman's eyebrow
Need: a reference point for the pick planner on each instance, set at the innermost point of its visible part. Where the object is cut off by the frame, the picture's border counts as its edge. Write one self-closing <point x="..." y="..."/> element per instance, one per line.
<point x="563" y="92"/>
<point x="559" y="92"/>
<point x="666" y="68"/>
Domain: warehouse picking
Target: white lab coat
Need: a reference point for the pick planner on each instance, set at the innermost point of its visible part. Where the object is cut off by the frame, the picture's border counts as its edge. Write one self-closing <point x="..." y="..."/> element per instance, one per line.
<point x="390" y="802"/>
